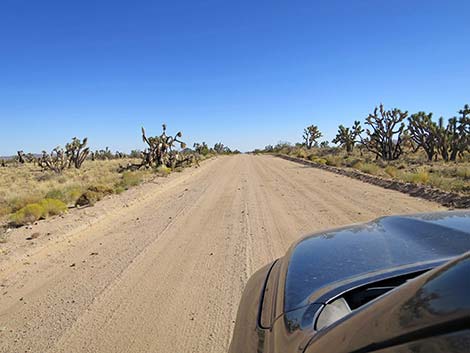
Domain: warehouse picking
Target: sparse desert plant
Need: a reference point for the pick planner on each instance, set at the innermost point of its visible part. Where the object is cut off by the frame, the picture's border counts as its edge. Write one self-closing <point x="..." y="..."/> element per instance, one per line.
<point x="301" y="153"/>
<point x="391" y="171"/>
<point x="369" y="168"/>
<point x="318" y="160"/>
<point x="130" y="179"/>
<point x="463" y="172"/>
<point x="418" y="177"/>
<point x="357" y="165"/>
<point x="334" y="161"/>
<point x="163" y="170"/>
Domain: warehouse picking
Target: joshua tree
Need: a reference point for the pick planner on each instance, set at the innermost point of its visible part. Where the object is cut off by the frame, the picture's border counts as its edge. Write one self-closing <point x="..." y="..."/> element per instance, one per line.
<point x="454" y="139"/>
<point x="159" y="152"/>
<point x="423" y="133"/>
<point x="348" y="137"/>
<point x="219" y="147"/>
<point x="201" y="148"/>
<point x="159" y="147"/>
<point x="311" y="135"/>
<point x="324" y="144"/>
<point x="76" y="152"/>
<point x="56" y="161"/>
<point x="21" y="157"/>
<point x="384" y="138"/>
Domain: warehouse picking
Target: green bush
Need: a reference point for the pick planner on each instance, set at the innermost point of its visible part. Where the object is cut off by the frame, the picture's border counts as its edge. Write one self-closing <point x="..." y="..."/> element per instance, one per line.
<point x="35" y="211"/>
<point x="52" y="207"/>
<point x="28" y="214"/>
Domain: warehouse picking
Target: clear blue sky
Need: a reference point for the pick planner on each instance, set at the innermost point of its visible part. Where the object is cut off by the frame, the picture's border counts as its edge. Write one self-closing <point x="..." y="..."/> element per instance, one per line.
<point x="247" y="73"/>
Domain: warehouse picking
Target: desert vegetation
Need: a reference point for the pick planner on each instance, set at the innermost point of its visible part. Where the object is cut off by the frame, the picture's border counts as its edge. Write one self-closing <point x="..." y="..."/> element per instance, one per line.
<point x="34" y="187"/>
<point x="396" y="145"/>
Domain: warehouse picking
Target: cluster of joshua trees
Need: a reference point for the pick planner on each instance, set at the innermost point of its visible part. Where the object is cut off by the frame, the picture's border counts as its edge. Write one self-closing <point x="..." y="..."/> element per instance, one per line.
<point x="388" y="132"/>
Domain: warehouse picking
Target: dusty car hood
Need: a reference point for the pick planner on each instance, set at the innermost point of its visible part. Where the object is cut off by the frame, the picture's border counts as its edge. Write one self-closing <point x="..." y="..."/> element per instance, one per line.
<point x="319" y="260"/>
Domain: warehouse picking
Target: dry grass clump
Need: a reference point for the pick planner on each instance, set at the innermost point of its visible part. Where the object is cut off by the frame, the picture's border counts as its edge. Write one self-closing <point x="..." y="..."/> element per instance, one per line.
<point x="334" y="161"/>
<point x="391" y="171"/>
<point x="418" y="177"/>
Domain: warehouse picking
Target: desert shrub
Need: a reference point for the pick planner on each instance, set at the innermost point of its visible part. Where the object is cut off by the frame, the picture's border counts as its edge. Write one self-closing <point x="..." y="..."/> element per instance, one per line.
<point x="72" y="193"/>
<point x="4" y="210"/>
<point x="463" y="172"/>
<point x="101" y="189"/>
<point x="301" y="153"/>
<point x="401" y="166"/>
<point x="391" y="171"/>
<point x="118" y="189"/>
<point x="56" y="194"/>
<point x="369" y="168"/>
<point x="45" y="177"/>
<point x="67" y="195"/>
<point x="28" y="214"/>
<point x="420" y="177"/>
<point x="351" y="161"/>
<point x="129" y="179"/>
<point x="88" y="198"/>
<point x="449" y="184"/>
<point x="163" y="170"/>
<point x="357" y="165"/>
<point x="319" y="160"/>
<point x="334" y="161"/>
<point x="20" y="202"/>
<point x="52" y="207"/>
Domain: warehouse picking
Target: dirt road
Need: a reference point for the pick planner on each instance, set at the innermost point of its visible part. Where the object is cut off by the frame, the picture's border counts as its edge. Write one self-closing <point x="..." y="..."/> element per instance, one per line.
<point x="163" y="270"/>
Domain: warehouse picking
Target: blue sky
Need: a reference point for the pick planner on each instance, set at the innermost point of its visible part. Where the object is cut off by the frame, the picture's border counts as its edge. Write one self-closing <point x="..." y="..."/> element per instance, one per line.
<point x="247" y="73"/>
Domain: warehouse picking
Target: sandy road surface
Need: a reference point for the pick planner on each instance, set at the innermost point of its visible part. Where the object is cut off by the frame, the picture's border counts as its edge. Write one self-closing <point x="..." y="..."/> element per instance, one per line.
<point x="166" y="272"/>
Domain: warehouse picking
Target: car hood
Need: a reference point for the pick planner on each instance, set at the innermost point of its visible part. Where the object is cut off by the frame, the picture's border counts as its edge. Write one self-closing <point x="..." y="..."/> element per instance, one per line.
<point x="387" y="243"/>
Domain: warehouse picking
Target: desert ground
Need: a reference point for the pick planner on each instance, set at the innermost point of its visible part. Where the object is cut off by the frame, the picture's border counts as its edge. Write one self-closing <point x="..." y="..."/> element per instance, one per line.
<point x="161" y="267"/>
